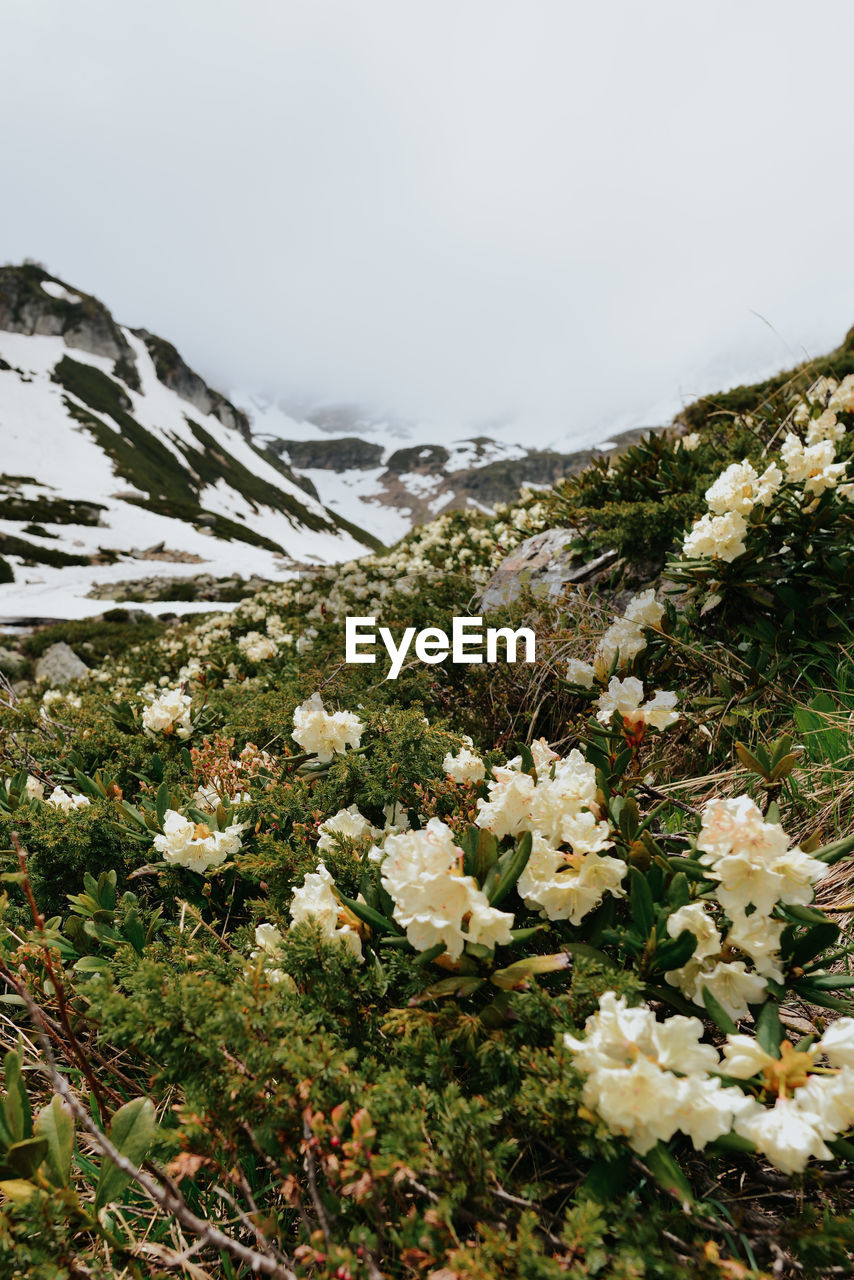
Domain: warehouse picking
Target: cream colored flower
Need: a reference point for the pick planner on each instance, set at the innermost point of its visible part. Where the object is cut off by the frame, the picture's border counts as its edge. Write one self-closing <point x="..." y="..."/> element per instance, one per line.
<point x="717" y="537"/>
<point x="324" y="733"/>
<point x="422" y="873"/>
<point x="465" y="766"/>
<point x="625" y="698"/>
<point x="195" y="846"/>
<point x="316" y="901"/>
<point x="61" y="799"/>
<point x="349" y="823"/>
<point x="169" y="714"/>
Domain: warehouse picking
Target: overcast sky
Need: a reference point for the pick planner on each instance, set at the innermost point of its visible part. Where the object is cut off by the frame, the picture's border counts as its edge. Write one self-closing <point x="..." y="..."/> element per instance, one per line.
<point x="568" y="213"/>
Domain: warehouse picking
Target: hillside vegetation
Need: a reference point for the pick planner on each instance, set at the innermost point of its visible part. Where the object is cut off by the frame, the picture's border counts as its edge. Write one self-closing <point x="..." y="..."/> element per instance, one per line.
<point x="517" y="970"/>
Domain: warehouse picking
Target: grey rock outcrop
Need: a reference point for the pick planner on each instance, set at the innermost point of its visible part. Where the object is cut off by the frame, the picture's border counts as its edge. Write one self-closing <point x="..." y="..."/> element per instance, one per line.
<point x="59" y="665"/>
<point x="174" y="372"/>
<point x="544" y="565"/>
<point x="343" y="453"/>
<point x="57" y="310"/>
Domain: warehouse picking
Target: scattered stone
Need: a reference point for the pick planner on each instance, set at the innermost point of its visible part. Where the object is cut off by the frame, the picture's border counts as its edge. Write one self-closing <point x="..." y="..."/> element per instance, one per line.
<point x="161" y="552"/>
<point x="59" y="665"/>
<point x="544" y="564"/>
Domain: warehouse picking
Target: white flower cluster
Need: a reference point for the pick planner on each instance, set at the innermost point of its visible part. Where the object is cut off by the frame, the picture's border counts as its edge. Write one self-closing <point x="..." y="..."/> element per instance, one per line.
<point x="347" y="823"/>
<point x="61" y="799"/>
<point x="433" y="901"/>
<point x="268" y="948"/>
<point x="54" y="696"/>
<point x="169" y="714"/>
<point x="35" y="788"/>
<point x="559" y="808"/>
<point x="812" y="464"/>
<point x="257" y="648"/>
<point x="649" y="1080"/>
<point x="323" y="733"/>
<point x="185" y="843"/>
<point x="721" y="531"/>
<point x="755" y="869"/>
<point x="316" y="901"/>
<point x="625" y="698"/>
<point x="465" y="766"/>
<point x="621" y="643"/>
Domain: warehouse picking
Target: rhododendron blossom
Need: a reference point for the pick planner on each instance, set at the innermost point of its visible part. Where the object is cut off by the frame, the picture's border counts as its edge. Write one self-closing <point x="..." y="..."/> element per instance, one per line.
<point x="465" y="766"/>
<point x="315" y="900"/>
<point x="349" y="823"/>
<point x="324" y="733"/>
<point x="422" y="873"/>
<point x="61" y="799"/>
<point x="625" y="698"/>
<point x="717" y="537"/>
<point x="257" y="648"/>
<point x="185" y="843"/>
<point x="169" y="713"/>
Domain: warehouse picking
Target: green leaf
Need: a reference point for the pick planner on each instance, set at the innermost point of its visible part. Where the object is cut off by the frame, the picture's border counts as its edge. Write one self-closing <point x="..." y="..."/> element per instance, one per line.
<point x="520" y="973"/>
<point x="675" y="952"/>
<point x="18" y="1190"/>
<point x="56" y="1125"/>
<point x="732" y="1142"/>
<point x="668" y="1175"/>
<point x="133" y="930"/>
<point x="813" y="942"/>
<point x="605" y="1180"/>
<point x="756" y="763"/>
<point x="425" y="957"/>
<point x="22" y="1159"/>
<point x="369" y="916"/>
<point x="91" y="964"/>
<point x="131" y="1132"/>
<point x="831" y="853"/>
<point x="16" y="1104"/>
<point x="807" y="914"/>
<point x="507" y="870"/>
<point x="643" y="910"/>
<point x="679" y="893"/>
<point x="458" y="985"/>
<point x="718" y="1014"/>
<point x="163" y="802"/>
<point x="769" y="1032"/>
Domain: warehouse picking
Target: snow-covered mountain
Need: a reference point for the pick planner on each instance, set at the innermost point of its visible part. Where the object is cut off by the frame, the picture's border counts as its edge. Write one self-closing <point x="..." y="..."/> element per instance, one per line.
<point x="117" y="461"/>
<point x="389" y="474"/>
<point x="122" y="472"/>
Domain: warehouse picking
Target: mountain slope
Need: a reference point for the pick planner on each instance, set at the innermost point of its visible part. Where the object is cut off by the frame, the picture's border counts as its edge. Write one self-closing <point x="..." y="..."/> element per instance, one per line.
<point x="112" y="447"/>
<point x="393" y="474"/>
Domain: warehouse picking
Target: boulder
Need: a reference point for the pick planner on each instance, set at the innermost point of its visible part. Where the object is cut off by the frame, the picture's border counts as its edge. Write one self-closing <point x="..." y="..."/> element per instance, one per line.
<point x="544" y="564"/>
<point x="12" y="664"/>
<point x="59" y="665"/>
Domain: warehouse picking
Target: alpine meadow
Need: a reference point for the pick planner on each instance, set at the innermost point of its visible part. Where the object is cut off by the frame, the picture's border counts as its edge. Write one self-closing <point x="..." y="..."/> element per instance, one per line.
<point x="511" y="969"/>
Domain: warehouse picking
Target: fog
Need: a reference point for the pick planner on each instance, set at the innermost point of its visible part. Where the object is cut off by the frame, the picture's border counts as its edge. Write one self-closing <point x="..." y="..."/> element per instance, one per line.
<point x="568" y="216"/>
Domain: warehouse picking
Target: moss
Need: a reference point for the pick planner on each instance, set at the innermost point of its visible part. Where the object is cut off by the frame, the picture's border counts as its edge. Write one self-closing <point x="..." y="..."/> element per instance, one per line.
<point x="30" y="553"/>
<point x="99" y="638"/>
<point x="45" y="510"/>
